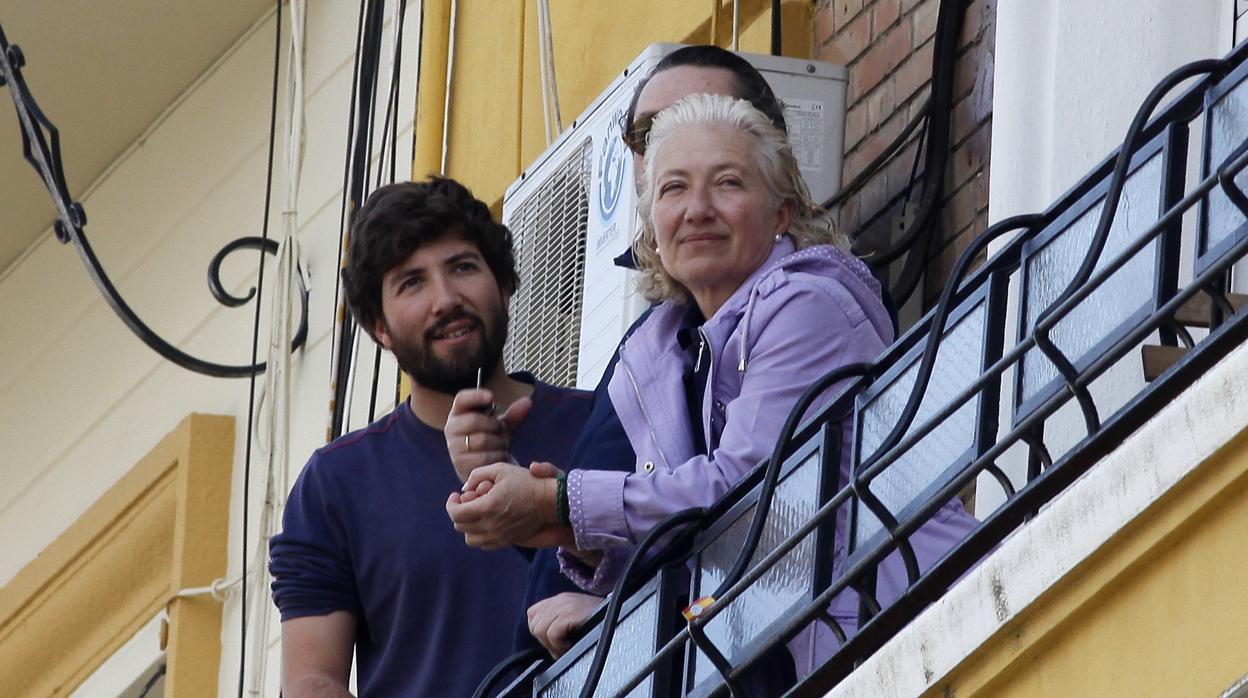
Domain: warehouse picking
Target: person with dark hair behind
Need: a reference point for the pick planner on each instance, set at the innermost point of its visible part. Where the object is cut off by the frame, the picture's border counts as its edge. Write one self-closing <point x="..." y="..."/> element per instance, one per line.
<point x="367" y="561"/>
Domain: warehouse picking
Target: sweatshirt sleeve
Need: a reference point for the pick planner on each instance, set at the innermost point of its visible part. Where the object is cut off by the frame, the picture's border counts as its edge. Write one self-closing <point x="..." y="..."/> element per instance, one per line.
<point x="798" y="332"/>
<point x="309" y="559"/>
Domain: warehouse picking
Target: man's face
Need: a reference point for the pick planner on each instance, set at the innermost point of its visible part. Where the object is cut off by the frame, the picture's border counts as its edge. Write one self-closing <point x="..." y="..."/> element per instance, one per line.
<point x="443" y="315"/>
<point x="670" y="86"/>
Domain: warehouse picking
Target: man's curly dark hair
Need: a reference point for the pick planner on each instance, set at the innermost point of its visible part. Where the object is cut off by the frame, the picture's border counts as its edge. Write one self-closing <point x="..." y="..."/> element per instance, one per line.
<point x="397" y="219"/>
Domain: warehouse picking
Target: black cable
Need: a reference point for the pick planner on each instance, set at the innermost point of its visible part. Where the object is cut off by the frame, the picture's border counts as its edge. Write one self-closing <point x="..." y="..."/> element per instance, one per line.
<point x="880" y="160"/>
<point x="944" y="55"/>
<point x="360" y="168"/>
<point x="398" y="386"/>
<point x="394" y="88"/>
<point x="151" y="681"/>
<point x="684" y="517"/>
<point x="775" y="27"/>
<point x="372" y="393"/>
<point x="390" y="133"/>
<point x="255" y="346"/>
<point x="420" y="65"/>
<point x="346" y="178"/>
<point x="389" y="123"/>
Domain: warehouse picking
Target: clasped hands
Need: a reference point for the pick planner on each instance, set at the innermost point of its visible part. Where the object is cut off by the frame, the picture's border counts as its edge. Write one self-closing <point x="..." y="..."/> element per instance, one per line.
<point x="501" y="503"/>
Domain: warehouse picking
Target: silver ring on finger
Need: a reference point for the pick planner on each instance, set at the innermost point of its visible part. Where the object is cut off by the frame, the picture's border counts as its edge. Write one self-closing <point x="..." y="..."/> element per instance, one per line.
<point x="467" y="444"/>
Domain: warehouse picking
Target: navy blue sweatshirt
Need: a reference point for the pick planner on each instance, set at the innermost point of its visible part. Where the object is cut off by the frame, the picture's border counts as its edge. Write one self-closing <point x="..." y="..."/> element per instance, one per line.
<point x="366" y="531"/>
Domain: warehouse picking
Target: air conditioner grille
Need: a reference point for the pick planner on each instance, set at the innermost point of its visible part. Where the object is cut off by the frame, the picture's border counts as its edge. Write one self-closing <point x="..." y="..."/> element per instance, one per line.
<point x="550" y="229"/>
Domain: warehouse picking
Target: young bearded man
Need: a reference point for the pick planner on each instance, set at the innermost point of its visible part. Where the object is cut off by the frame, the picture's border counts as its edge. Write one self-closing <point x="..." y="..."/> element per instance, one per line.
<point x="367" y="562"/>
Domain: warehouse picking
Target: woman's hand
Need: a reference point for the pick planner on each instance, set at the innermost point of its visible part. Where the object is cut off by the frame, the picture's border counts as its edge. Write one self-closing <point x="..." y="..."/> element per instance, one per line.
<point x="475" y="436"/>
<point x="504" y="504"/>
<point x="553" y="620"/>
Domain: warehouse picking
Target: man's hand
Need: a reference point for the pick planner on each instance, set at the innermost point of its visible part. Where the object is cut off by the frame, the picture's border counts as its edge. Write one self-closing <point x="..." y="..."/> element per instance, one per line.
<point x="316" y="655"/>
<point x="553" y="620"/>
<point x="475" y="436"/>
<point x="504" y="504"/>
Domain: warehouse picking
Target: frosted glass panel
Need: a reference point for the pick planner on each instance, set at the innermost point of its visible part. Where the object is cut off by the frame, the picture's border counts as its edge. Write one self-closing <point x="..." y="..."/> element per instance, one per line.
<point x="1132" y="287"/>
<point x="1229" y="127"/>
<point x="787" y="582"/>
<point x="632" y="647"/>
<point x="959" y="361"/>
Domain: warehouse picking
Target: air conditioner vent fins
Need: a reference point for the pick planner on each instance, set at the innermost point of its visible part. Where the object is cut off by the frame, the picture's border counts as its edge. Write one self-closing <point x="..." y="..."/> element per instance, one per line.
<point x="550" y="229"/>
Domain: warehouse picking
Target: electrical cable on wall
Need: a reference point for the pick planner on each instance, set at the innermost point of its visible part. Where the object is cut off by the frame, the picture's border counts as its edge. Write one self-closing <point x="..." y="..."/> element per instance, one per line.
<point x="274" y="419"/>
<point x="550" y="88"/>
<point x="935" y="117"/>
<point x="450" y="79"/>
<point x="340" y="308"/>
<point x="255" y="350"/>
<point x="736" y="25"/>
<point x="923" y="232"/>
<point x="151" y="681"/>
<point x="390" y="136"/>
<point x="776" y="39"/>
<point x="386" y="171"/>
<point x="364" y="94"/>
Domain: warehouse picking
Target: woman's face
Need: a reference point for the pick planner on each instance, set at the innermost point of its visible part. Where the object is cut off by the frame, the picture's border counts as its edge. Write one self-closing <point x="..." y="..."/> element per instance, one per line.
<point x="713" y="216"/>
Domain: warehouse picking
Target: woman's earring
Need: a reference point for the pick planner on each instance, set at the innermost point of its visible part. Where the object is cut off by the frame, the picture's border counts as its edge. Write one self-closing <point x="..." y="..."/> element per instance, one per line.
<point x="778" y="236"/>
<point x="656" y="249"/>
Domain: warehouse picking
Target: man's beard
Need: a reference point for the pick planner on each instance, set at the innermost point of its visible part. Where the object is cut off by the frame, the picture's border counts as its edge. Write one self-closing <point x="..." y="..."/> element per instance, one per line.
<point x="451" y="374"/>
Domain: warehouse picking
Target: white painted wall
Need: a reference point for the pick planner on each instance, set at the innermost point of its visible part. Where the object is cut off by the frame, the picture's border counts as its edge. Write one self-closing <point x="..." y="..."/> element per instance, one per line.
<point x="81" y="399"/>
<point x="1070" y="75"/>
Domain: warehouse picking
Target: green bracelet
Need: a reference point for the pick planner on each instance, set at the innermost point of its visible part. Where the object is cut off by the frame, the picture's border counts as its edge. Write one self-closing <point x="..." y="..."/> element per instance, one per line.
<point x="561" y="500"/>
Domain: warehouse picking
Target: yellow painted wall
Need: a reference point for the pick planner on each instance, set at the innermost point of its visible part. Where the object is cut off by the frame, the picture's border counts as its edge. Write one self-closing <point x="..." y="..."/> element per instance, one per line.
<point x="1161" y="610"/>
<point x="496" y="123"/>
<point x="161" y="529"/>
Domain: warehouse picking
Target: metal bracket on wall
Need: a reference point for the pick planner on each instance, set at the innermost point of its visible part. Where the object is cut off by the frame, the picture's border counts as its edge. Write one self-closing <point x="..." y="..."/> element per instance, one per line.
<point x="41" y="147"/>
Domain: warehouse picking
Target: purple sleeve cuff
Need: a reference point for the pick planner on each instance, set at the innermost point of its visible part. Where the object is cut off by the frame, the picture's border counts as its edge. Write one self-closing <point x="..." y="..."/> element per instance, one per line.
<point x="596" y="508"/>
<point x="598" y="580"/>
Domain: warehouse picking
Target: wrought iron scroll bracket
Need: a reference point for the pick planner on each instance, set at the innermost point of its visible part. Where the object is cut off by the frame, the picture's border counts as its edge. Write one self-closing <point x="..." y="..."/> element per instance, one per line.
<point x="41" y="146"/>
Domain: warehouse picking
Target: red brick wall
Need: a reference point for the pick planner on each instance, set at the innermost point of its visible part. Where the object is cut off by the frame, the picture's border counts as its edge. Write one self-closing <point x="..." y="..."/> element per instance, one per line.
<point x="887" y="46"/>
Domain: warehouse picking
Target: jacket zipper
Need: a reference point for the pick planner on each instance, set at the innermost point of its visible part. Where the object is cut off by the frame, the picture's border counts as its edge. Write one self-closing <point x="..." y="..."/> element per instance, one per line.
<point x="644" y="412"/>
<point x="708" y="400"/>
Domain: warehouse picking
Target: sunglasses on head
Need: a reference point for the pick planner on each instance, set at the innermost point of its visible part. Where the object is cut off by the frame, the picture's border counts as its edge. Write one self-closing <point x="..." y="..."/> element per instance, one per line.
<point x="635" y="134"/>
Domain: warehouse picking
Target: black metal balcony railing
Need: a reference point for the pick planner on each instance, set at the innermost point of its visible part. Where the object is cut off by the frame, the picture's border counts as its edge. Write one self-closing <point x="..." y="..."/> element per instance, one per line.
<point x="1096" y="287"/>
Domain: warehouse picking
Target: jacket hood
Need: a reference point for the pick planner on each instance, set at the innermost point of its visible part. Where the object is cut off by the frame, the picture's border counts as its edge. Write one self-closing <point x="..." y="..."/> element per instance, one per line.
<point x="784" y="261"/>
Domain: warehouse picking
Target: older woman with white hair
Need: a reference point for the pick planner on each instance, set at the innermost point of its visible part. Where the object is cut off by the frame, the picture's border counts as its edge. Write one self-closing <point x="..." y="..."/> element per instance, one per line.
<point x="757" y="297"/>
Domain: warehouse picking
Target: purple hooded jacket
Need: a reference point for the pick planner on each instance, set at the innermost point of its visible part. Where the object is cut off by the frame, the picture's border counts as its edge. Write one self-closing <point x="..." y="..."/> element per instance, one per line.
<point x="799" y="315"/>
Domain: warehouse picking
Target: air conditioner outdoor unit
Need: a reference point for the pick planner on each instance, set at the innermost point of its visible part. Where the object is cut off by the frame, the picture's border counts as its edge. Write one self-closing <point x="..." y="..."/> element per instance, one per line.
<point x="574" y="210"/>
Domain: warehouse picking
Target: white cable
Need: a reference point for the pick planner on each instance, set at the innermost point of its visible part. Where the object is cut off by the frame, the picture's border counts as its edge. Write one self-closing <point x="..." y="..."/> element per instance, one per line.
<point x="450" y="73"/>
<point x="348" y="398"/>
<point x="392" y="57"/>
<point x="548" y="39"/>
<point x="541" y="71"/>
<point x="736" y="25"/>
<point x="219" y="589"/>
<point x="285" y="303"/>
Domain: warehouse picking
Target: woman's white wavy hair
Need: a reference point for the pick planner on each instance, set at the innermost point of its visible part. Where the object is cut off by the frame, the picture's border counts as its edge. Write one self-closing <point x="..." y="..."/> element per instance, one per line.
<point x="809" y="225"/>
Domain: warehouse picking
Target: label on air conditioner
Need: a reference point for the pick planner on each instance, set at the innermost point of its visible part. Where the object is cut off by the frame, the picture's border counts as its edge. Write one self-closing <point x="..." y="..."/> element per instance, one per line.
<point x="804" y="117"/>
